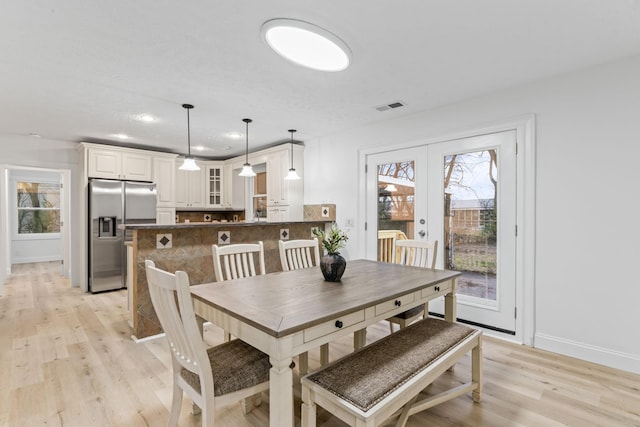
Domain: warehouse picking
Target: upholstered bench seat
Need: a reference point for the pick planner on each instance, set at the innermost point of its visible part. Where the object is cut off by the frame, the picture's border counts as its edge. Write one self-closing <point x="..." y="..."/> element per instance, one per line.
<point x="368" y="386"/>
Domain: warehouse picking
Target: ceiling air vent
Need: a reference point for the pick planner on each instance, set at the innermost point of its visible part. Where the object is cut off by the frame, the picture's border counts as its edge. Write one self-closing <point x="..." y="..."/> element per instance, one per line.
<point x="391" y="106"/>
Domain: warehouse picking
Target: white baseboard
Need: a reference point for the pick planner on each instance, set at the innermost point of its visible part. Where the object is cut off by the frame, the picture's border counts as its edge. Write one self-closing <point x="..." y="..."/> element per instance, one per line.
<point x="26" y="260"/>
<point x="603" y="356"/>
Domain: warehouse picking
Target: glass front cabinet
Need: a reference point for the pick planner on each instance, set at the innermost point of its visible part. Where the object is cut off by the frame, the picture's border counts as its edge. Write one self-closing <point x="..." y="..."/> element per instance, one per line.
<point x="214" y="177"/>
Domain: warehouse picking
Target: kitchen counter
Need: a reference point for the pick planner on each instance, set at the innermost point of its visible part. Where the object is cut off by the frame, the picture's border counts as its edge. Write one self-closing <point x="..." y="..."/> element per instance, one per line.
<point x="185" y="225"/>
<point x="187" y="247"/>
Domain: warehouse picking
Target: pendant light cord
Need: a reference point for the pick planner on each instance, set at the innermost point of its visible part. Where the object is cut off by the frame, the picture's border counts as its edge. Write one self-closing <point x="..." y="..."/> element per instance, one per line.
<point x="246" y="158"/>
<point x="292" y="131"/>
<point x="188" y="107"/>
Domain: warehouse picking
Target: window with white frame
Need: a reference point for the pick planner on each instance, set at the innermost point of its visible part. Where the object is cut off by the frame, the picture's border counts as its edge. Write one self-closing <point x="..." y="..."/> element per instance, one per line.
<point x="38" y="208"/>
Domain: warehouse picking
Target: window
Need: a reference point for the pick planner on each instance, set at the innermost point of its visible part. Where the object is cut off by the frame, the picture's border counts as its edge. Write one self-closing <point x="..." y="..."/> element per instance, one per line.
<point x="38" y="207"/>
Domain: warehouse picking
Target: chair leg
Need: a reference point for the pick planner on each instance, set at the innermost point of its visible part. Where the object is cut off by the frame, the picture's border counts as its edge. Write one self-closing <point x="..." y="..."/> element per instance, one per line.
<point x="176" y="404"/>
<point x="324" y="354"/>
<point x="476" y="370"/>
<point x="303" y="361"/>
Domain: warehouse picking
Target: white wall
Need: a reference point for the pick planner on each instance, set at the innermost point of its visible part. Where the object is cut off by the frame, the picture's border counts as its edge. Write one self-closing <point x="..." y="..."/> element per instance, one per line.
<point x="587" y="138"/>
<point x="24" y="151"/>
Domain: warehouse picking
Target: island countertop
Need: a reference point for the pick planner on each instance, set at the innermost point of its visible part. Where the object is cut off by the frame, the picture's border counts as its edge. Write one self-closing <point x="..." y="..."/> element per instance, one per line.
<point x="206" y="224"/>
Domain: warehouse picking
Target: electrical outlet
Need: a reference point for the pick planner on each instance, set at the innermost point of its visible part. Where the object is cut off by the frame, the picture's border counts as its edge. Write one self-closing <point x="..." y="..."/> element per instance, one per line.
<point x="349" y="222"/>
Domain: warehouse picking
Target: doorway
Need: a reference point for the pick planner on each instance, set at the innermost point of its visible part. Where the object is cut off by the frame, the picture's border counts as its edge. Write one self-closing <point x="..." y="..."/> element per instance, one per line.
<point x="464" y="193"/>
<point x="35" y="211"/>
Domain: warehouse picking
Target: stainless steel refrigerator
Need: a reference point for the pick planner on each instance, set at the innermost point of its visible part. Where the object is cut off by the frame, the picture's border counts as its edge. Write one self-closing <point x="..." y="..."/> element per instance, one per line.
<point x="112" y="203"/>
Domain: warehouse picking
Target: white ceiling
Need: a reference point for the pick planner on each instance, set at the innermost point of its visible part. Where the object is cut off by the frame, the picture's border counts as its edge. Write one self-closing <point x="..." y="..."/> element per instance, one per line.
<point x="82" y="70"/>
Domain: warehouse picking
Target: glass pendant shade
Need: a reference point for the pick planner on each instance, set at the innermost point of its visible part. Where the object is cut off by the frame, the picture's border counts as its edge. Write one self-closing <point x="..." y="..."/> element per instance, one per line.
<point x="292" y="175"/>
<point x="247" y="171"/>
<point x="189" y="163"/>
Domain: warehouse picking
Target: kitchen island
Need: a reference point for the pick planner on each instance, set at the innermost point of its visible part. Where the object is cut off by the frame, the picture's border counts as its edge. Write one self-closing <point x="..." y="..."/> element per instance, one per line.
<point x="187" y="247"/>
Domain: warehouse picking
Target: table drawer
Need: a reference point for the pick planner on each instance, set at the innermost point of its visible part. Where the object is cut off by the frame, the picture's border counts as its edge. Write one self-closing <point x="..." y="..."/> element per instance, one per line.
<point x="394" y="303"/>
<point x="439" y="289"/>
<point x="333" y="325"/>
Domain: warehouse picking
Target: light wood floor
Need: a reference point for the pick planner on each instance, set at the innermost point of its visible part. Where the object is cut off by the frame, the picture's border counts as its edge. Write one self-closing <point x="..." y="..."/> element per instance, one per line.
<point x="67" y="359"/>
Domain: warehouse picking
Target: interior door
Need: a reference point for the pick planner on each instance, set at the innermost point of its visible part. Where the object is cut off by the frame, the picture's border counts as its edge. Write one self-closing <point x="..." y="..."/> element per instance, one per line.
<point x="461" y="193"/>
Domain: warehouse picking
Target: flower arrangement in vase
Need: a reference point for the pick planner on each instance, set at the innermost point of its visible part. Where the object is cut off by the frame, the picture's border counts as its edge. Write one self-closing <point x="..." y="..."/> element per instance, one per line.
<point x="332" y="264"/>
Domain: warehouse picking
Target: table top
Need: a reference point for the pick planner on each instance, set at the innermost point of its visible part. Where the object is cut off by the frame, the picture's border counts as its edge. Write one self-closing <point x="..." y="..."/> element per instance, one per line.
<point x="283" y="303"/>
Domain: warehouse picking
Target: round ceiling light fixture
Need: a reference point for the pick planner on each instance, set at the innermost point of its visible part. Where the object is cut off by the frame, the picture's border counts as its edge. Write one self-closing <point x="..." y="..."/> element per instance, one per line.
<point x="306" y="44"/>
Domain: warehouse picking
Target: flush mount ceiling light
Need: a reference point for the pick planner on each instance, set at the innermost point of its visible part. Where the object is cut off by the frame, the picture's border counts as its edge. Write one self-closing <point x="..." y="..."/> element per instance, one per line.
<point x="306" y="44"/>
<point x="189" y="163"/>
<point x="292" y="175"/>
<point x="247" y="170"/>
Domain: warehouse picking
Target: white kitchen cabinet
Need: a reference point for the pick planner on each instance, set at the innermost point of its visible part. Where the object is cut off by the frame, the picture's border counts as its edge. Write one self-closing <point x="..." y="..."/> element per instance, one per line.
<point x="166" y="216"/>
<point x="164" y="175"/>
<point x="277" y="187"/>
<point x="134" y="165"/>
<point x="189" y="188"/>
<point x="214" y="177"/>
<point x="282" y="193"/>
<point x="278" y="214"/>
<point x="234" y="187"/>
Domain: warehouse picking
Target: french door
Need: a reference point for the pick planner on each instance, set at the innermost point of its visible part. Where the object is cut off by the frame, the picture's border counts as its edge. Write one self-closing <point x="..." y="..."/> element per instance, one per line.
<point x="461" y="193"/>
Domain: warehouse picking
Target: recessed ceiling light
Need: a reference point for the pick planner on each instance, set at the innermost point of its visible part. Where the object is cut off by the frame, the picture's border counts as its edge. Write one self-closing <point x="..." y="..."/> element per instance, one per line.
<point x="120" y="136"/>
<point x="199" y="148"/>
<point x="147" y="118"/>
<point x="306" y="44"/>
<point x="233" y="135"/>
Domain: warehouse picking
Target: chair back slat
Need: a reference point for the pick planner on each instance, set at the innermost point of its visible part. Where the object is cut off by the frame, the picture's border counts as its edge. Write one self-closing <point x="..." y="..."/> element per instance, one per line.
<point x="297" y="254"/>
<point x="416" y="253"/>
<point x="238" y="261"/>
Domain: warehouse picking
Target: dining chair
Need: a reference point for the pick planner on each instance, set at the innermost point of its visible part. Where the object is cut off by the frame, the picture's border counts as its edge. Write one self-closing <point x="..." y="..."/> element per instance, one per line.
<point x="294" y="255"/>
<point x="212" y="377"/>
<point x="237" y="261"/>
<point x="415" y="253"/>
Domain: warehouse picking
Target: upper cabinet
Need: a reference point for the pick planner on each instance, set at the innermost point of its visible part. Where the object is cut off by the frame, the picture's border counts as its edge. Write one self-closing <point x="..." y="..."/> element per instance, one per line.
<point x="233" y="187"/>
<point x="190" y="187"/>
<point x="281" y="192"/>
<point x="164" y="175"/>
<point x="114" y="163"/>
<point x="214" y="176"/>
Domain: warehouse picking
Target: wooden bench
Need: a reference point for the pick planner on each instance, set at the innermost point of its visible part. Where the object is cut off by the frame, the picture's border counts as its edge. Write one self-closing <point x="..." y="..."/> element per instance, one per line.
<point x="384" y="379"/>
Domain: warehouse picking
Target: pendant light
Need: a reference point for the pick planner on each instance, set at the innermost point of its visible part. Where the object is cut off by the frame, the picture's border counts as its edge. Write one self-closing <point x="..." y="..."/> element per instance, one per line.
<point x="247" y="170"/>
<point x="189" y="163"/>
<point x="292" y="175"/>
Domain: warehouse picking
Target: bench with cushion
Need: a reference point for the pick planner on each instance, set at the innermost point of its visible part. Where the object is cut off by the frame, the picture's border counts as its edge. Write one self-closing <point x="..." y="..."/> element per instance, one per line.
<point x="370" y="386"/>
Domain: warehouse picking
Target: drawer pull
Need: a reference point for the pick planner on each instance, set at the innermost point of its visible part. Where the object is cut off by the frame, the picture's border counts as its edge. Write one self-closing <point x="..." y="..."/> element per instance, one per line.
<point x="339" y="324"/>
<point x="436" y="288"/>
<point x="398" y="303"/>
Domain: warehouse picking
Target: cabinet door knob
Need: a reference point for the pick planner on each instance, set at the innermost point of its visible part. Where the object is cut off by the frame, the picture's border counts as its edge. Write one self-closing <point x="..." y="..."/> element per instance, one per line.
<point x="339" y="324"/>
<point x="397" y="303"/>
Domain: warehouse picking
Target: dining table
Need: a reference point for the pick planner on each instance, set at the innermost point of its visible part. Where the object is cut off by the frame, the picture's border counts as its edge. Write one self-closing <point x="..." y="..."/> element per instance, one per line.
<point x="288" y="313"/>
